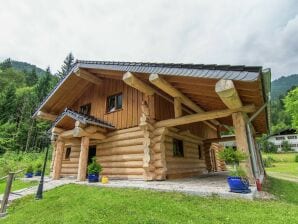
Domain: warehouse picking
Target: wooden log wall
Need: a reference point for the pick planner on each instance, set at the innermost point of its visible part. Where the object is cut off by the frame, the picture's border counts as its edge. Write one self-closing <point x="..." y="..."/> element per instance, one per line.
<point x="128" y="116"/>
<point x="219" y="165"/>
<point x="70" y="166"/>
<point x="121" y="154"/>
<point x="190" y="164"/>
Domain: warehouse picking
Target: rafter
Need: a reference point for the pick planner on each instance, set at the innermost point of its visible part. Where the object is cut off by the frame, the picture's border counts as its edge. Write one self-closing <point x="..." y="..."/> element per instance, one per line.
<point x="46" y="116"/>
<point x="88" y="76"/>
<point x="136" y="83"/>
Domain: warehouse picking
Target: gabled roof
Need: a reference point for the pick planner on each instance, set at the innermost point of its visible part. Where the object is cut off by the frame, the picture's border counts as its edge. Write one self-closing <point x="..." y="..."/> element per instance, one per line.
<point x="288" y="131"/>
<point x="83" y="118"/>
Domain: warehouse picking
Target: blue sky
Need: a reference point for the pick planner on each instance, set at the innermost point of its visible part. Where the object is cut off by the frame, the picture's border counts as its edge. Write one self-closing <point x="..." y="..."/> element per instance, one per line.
<point x="190" y="31"/>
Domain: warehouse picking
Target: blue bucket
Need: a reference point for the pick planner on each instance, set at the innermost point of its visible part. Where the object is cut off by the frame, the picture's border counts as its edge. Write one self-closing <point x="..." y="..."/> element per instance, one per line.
<point x="238" y="185"/>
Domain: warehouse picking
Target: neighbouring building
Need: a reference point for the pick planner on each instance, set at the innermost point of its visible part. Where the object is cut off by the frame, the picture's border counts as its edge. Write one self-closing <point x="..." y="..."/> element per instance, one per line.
<point x="154" y="121"/>
<point x="289" y="135"/>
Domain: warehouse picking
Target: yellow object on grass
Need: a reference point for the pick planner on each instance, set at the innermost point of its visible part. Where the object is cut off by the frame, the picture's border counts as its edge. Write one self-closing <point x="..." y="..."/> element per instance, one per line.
<point x="104" y="180"/>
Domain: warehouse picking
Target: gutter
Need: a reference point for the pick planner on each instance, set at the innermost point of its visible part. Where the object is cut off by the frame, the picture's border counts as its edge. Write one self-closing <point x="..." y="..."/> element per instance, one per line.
<point x="266" y="82"/>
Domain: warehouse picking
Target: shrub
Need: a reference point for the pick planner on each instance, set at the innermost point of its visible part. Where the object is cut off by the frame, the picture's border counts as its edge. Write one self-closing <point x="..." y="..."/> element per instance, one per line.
<point x="94" y="167"/>
<point x="237" y="172"/>
<point x="268" y="162"/>
<point x="38" y="167"/>
<point x="296" y="158"/>
<point x="286" y="147"/>
<point x="232" y="156"/>
<point x="29" y="169"/>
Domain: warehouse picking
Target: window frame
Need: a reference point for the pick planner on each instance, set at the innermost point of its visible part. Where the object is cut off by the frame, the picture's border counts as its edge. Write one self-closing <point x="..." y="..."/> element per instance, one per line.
<point x="180" y="151"/>
<point x="88" y="106"/>
<point x="67" y="153"/>
<point x="116" y="102"/>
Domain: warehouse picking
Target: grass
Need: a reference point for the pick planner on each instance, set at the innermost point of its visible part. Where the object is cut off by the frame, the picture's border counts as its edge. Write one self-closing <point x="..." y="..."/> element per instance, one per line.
<point x="17" y="185"/>
<point x="82" y="204"/>
<point x="284" y="165"/>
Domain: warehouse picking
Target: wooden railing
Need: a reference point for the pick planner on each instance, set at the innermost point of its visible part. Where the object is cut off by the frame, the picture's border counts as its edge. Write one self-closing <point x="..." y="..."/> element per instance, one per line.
<point x="4" y="202"/>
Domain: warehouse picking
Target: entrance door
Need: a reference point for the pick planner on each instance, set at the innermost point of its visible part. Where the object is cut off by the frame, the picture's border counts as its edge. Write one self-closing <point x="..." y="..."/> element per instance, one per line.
<point x="91" y="153"/>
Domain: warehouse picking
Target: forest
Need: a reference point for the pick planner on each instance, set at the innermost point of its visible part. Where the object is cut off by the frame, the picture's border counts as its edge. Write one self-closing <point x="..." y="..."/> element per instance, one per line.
<point x="23" y="86"/>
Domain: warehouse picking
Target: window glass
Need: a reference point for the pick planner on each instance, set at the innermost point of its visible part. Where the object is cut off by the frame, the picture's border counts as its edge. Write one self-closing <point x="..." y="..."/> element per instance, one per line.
<point x="200" y="152"/>
<point x="67" y="153"/>
<point x="114" y="102"/>
<point x="85" y="109"/>
<point x="178" y="148"/>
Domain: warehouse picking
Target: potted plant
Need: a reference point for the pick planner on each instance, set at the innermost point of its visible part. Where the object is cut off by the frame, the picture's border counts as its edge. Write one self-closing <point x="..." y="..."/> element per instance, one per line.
<point x="94" y="170"/>
<point x="38" y="169"/>
<point x="29" y="171"/>
<point x="237" y="178"/>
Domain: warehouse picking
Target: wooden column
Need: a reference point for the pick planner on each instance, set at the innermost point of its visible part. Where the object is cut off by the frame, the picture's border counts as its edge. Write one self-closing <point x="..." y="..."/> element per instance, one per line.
<point x="82" y="171"/>
<point x="177" y="107"/>
<point x="58" y="159"/>
<point x="242" y="142"/>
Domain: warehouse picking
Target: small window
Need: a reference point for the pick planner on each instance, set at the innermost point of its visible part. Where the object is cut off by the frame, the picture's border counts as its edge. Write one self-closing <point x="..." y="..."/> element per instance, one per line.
<point x="292" y="137"/>
<point x="280" y="138"/>
<point x="67" y="153"/>
<point x="200" y="152"/>
<point x="178" y="148"/>
<point x="85" y="109"/>
<point x="114" y="103"/>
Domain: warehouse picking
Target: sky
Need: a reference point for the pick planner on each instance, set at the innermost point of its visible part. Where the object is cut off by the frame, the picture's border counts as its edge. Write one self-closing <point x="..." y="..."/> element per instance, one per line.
<point x="262" y="33"/>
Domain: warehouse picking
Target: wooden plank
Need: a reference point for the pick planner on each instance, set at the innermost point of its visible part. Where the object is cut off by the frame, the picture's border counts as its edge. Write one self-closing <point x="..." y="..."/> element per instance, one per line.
<point x="203" y="116"/>
<point x="46" y="116"/>
<point x="88" y="76"/>
<point x="136" y="83"/>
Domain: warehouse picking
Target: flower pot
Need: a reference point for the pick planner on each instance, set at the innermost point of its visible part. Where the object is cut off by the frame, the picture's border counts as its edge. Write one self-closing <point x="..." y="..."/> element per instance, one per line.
<point x="92" y="178"/>
<point x="38" y="173"/>
<point x="238" y="185"/>
<point x="29" y="175"/>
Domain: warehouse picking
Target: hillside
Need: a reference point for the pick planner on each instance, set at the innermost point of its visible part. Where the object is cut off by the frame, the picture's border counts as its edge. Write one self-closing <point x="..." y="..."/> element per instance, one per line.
<point x="21" y="66"/>
<point x="281" y="85"/>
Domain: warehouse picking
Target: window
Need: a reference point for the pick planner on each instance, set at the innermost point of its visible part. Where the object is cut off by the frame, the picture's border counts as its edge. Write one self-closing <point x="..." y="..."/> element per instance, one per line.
<point x="85" y="109"/>
<point x="114" y="102"/>
<point x="67" y="153"/>
<point x="178" y="148"/>
<point x="200" y="152"/>
<point x="292" y="137"/>
<point x="280" y="138"/>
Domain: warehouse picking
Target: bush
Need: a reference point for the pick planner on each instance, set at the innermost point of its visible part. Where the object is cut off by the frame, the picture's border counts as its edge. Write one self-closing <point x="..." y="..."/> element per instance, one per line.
<point x="232" y="156"/>
<point x="38" y="167"/>
<point x="268" y="162"/>
<point x="237" y="172"/>
<point x="286" y="147"/>
<point x="29" y="169"/>
<point x="94" y="167"/>
<point x="296" y="158"/>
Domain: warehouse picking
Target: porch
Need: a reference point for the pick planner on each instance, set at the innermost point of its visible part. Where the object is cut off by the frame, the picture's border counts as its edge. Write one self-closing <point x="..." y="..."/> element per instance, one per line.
<point x="213" y="184"/>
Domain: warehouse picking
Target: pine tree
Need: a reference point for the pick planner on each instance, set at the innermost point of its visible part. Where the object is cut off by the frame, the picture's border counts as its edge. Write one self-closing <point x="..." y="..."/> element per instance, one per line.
<point x="67" y="65"/>
<point x="31" y="77"/>
<point x="6" y="64"/>
<point x="44" y="85"/>
<point x="8" y="104"/>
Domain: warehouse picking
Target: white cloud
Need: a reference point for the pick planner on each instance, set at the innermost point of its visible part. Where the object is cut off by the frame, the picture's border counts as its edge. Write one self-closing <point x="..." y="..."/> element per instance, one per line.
<point x="223" y="32"/>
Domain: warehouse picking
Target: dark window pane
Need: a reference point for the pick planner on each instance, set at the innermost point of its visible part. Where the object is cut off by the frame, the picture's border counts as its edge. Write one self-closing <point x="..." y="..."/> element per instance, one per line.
<point x="119" y="101"/>
<point x="67" y="153"/>
<point x="178" y="148"/>
<point x="85" y="109"/>
<point x="111" y="103"/>
<point x="114" y="102"/>
<point x="200" y="151"/>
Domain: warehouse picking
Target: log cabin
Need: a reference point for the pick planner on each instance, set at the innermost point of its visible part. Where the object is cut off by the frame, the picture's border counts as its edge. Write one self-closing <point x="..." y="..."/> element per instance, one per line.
<point x="154" y="121"/>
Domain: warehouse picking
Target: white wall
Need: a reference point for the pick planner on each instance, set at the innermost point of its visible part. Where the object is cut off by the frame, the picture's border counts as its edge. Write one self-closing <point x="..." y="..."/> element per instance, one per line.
<point x="278" y="139"/>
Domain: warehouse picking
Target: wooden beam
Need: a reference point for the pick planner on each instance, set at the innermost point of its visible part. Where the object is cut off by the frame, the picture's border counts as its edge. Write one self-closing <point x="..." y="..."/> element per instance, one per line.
<point x="136" y="83"/>
<point x="227" y="92"/>
<point x="88" y="76"/>
<point x="80" y="132"/>
<point x="58" y="160"/>
<point x="67" y="134"/>
<point x="83" y="159"/>
<point x="46" y="116"/>
<point x="162" y="84"/>
<point x="223" y="139"/>
<point x="56" y="130"/>
<point x="203" y="116"/>
<point x="177" y="107"/>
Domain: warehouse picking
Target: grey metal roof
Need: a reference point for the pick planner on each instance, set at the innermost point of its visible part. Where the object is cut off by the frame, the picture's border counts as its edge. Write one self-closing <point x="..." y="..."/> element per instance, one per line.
<point x="85" y="119"/>
<point x="238" y="72"/>
<point x="212" y="71"/>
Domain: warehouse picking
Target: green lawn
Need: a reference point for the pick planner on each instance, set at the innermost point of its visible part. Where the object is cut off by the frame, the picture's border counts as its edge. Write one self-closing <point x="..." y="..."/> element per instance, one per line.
<point x="284" y="165"/>
<point x="17" y="185"/>
<point x="82" y="204"/>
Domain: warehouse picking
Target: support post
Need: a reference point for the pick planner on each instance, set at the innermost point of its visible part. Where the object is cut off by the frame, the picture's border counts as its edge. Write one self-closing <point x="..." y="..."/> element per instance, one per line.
<point x="82" y="171"/>
<point x="242" y="142"/>
<point x="6" y="194"/>
<point x="58" y="160"/>
<point x="177" y="107"/>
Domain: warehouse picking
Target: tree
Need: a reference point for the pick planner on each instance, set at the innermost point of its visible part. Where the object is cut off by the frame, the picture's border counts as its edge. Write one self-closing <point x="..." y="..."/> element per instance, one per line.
<point x="8" y="103"/>
<point x="286" y="147"/>
<point x="67" y="65"/>
<point x="291" y="105"/>
<point x="31" y="77"/>
<point x="6" y="64"/>
<point x="266" y="146"/>
<point x="44" y="86"/>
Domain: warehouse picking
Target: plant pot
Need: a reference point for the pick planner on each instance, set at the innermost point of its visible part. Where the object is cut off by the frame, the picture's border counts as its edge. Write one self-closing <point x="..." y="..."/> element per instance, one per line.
<point x="38" y="173"/>
<point x="238" y="185"/>
<point x="29" y="175"/>
<point x="92" y="178"/>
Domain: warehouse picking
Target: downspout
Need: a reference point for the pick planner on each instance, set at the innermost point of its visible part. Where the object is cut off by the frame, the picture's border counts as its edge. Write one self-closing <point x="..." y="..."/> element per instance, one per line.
<point x="266" y="81"/>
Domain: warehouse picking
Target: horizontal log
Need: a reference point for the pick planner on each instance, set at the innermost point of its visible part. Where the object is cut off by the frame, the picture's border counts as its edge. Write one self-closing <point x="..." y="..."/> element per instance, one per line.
<point x="127" y="164"/>
<point x="133" y="149"/>
<point x="46" y="116"/>
<point x="204" y="116"/>
<point x="70" y="165"/>
<point x="124" y="136"/>
<point x="127" y="130"/>
<point x="115" y="158"/>
<point x="138" y="84"/>
<point x="121" y="143"/>
<point x="123" y="171"/>
<point x="125" y="177"/>
<point x="173" y="166"/>
<point x="176" y="171"/>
